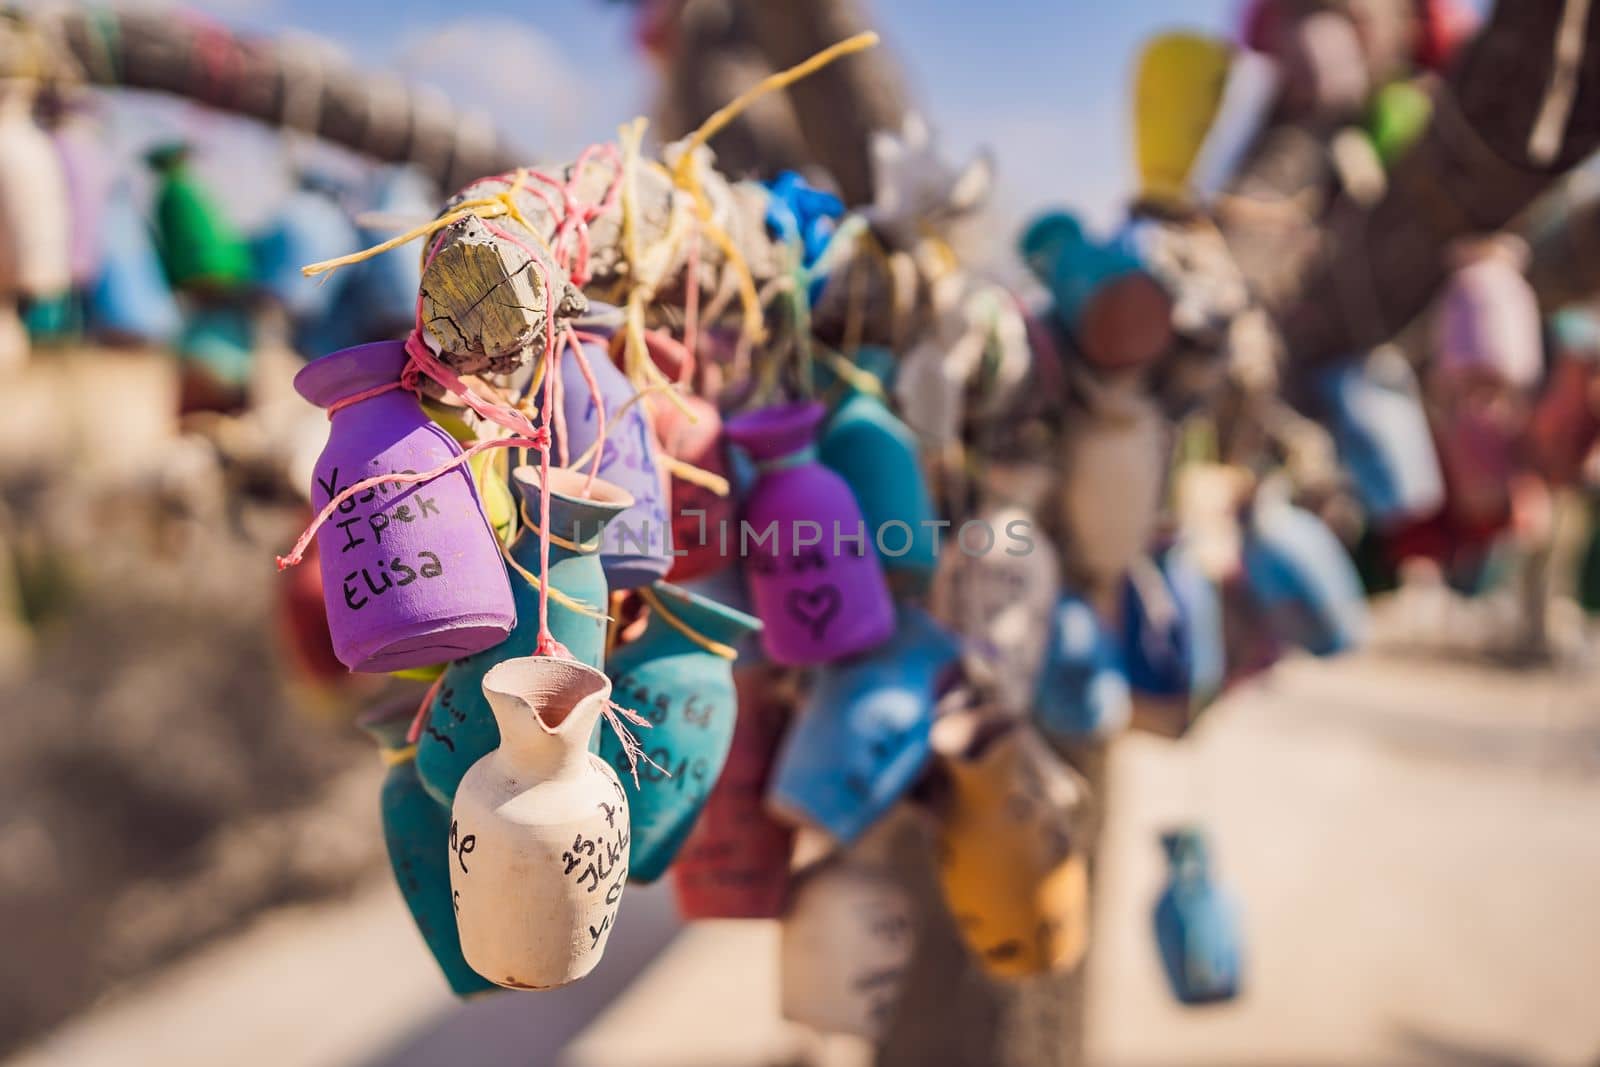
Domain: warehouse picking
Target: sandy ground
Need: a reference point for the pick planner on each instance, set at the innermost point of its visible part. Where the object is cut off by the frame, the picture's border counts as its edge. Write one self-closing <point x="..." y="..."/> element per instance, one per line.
<point x="1417" y="847"/>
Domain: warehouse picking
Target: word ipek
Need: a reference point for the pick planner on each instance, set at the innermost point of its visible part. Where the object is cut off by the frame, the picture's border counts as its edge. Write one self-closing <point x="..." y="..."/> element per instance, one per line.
<point x="413" y="510"/>
<point x="430" y="567"/>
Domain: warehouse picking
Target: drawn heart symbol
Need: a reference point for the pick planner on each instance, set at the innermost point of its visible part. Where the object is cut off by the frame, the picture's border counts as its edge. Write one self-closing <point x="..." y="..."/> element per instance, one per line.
<point x="814" y="608"/>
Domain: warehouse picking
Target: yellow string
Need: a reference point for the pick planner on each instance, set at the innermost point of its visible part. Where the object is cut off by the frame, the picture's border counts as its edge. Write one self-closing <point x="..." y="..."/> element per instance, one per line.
<point x="705" y="479"/>
<point x="555" y="594"/>
<point x="772" y="82"/>
<point x="393" y="757"/>
<point x="716" y="648"/>
<point x="492" y="206"/>
<point x="587" y="548"/>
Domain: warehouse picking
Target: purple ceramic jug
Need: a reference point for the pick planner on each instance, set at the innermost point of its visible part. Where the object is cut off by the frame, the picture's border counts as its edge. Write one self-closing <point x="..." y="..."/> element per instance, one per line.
<point x="411" y="572"/>
<point x="815" y="579"/>
<point x="636" y="546"/>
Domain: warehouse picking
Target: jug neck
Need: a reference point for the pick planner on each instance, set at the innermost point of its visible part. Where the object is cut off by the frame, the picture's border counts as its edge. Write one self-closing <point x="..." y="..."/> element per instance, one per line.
<point x="546" y="710"/>
<point x="800" y="457"/>
<point x="679" y="615"/>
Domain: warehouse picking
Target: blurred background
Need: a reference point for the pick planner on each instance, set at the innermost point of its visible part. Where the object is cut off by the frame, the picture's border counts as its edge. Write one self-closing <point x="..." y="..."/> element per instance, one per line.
<point x="192" y="868"/>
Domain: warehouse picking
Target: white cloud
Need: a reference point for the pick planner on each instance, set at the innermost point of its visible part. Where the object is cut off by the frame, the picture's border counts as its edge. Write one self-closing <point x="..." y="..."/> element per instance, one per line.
<point x="510" y="72"/>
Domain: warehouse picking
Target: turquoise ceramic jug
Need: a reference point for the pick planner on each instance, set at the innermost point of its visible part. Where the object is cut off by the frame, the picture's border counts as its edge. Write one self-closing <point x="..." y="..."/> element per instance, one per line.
<point x="415" y="830"/>
<point x="1197" y="924"/>
<point x="1082" y="693"/>
<point x="461" y="729"/>
<point x="1303" y="578"/>
<point x="678" y="675"/>
<point x="862" y="737"/>
<point x="877" y="456"/>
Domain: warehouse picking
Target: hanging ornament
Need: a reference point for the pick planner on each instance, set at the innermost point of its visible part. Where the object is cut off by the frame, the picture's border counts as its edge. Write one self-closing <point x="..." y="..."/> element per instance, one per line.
<point x="539" y="833"/>
<point x="461" y="727"/>
<point x="1082" y="693"/>
<point x="877" y="456"/>
<point x="861" y="739"/>
<point x="414" y="828"/>
<point x="819" y="601"/>
<point x="847" y="942"/>
<point x="735" y="864"/>
<point x="677" y="676"/>
<point x="411" y="571"/>
<point x="1197" y="924"/>
<point x="1016" y="881"/>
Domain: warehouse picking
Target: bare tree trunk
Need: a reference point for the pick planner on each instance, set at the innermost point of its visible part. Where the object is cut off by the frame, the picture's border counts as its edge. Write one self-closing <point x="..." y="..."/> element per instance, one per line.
<point x="838" y="107"/>
<point x="281" y="85"/>
<point x="714" y="61"/>
<point x="1472" y="172"/>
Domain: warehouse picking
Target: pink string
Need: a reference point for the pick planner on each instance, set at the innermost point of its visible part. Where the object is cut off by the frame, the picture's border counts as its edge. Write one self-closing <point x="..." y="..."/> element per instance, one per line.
<point x="365" y="394"/>
<point x="415" y="730"/>
<point x="587" y="371"/>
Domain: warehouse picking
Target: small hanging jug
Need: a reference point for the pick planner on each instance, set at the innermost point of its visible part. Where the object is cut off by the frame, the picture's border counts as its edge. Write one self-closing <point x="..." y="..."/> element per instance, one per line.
<point x="1197" y="924"/>
<point x="735" y="864"/>
<point x="1114" y="467"/>
<point x="689" y="430"/>
<point x="461" y="727"/>
<point x="861" y="739"/>
<point x="877" y="455"/>
<point x="538" y="842"/>
<point x="414" y="828"/>
<point x="636" y="548"/>
<point x="130" y="302"/>
<point x="1381" y="431"/>
<point x="998" y="584"/>
<point x="35" y="220"/>
<point x="1302" y="577"/>
<point x="678" y="676"/>
<point x="1082" y="693"/>
<point x="814" y="575"/>
<point x="847" y="942"/>
<point x="411" y="572"/>
<point x="1016" y="881"/>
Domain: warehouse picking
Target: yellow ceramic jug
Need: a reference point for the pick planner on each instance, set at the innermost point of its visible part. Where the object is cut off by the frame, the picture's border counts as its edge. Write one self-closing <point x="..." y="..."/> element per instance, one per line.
<point x="1178" y="90"/>
<point x="1014" y="875"/>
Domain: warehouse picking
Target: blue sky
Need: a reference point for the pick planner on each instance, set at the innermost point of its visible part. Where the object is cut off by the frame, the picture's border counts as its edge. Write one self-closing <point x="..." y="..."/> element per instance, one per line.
<point x="1042" y="82"/>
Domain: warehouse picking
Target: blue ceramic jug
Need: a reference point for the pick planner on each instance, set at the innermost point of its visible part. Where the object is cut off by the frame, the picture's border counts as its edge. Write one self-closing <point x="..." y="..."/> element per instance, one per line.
<point x="131" y="300"/>
<point x="1197" y="924"/>
<point x="678" y="675"/>
<point x="862" y="737"/>
<point x="1200" y="604"/>
<point x="1381" y="431"/>
<point x="636" y="549"/>
<point x="1082" y="693"/>
<point x="1157" y="639"/>
<point x="461" y="728"/>
<point x="415" y="831"/>
<point x="877" y="456"/>
<point x="1303" y="578"/>
<point x="310" y="226"/>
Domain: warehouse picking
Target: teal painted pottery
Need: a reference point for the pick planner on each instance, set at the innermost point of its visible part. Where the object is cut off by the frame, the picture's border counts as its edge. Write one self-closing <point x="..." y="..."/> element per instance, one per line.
<point x="1082" y="692"/>
<point x="877" y="456"/>
<point x="678" y="675"/>
<point x="461" y="728"/>
<point x="1197" y="924"/>
<point x="862" y="737"/>
<point x="415" y="831"/>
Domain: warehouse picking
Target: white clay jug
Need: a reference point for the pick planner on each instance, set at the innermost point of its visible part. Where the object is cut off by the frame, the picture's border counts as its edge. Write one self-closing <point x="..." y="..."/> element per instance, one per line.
<point x="1114" y="466"/>
<point x="847" y="941"/>
<point x="35" y="219"/>
<point x="539" y="833"/>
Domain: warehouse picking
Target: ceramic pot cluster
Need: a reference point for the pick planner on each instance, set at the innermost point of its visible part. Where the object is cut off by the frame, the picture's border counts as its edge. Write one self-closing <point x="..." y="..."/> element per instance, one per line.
<point x="411" y="573"/>
<point x="539" y="832"/>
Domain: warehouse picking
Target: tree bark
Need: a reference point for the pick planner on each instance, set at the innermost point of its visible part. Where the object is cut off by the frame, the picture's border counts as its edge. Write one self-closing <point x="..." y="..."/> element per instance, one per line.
<point x="280" y="84"/>
<point x="840" y="106"/>
<point x="1471" y="173"/>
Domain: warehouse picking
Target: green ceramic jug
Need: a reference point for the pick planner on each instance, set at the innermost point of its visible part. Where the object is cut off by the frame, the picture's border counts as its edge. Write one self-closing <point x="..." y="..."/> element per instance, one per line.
<point x="415" y="830"/>
<point x="461" y="729"/>
<point x="678" y="675"/>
